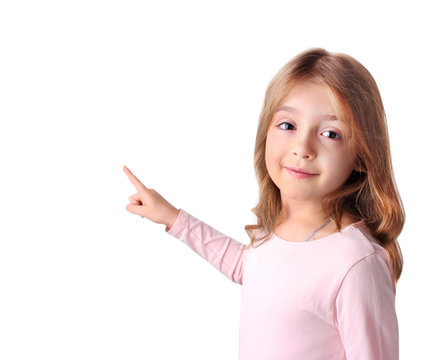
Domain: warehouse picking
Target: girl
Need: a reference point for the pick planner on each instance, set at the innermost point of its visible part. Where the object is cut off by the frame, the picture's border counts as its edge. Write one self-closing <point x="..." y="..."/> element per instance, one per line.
<point x="319" y="275"/>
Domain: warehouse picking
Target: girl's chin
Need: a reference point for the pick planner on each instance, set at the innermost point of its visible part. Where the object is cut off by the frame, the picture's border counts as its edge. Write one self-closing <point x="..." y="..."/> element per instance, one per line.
<point x="300" y="197"/>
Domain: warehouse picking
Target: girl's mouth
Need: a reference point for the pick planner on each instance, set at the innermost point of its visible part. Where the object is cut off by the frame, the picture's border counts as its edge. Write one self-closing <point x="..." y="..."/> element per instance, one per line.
<point x="300" y="173"/>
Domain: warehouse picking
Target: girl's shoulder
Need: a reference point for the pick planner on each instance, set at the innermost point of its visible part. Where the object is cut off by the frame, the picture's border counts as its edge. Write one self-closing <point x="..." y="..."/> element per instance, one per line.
<point x="349" y="246"/>
<point x="363" y="249"/>
<point x="357" y="240"/>
<point x="258" y="234"/>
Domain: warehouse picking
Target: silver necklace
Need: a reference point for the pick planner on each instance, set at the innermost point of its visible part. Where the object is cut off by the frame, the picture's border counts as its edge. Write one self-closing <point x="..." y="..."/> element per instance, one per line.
<point x="318" y="229"/>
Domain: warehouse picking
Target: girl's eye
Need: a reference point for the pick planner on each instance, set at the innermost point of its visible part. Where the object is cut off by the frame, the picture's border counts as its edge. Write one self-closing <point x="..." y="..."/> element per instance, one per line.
<point x="328" y="133"/>
<point x="331" y="134"/>
<point x="285" y="123"/>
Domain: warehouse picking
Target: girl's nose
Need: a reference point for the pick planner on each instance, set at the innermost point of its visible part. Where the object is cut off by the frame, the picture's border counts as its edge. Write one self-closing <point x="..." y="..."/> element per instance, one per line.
<point x="303" y="147"/>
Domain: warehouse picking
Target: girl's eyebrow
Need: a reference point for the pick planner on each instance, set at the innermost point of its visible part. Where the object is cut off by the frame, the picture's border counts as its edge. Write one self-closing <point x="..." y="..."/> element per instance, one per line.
<point x="292" y="110"/>
<point x="287" y="108"/>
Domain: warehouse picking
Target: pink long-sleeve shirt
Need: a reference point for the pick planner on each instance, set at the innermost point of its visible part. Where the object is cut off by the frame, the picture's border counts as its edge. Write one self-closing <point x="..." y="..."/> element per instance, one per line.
<point x="332" y="298"/>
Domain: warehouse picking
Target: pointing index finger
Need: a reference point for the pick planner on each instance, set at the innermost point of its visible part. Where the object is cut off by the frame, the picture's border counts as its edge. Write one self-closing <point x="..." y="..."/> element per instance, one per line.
<point x="133" y="179"/>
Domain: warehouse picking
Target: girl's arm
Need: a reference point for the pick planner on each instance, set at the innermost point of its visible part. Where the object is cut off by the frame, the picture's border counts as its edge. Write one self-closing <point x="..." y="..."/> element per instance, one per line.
<point x="220" y="250"/>
<point x="223" y="252"/>
<point x="365" y="308"/>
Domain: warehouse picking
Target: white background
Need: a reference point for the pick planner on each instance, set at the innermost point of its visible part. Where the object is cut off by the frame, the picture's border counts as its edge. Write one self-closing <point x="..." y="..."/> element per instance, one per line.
<point x="173" y="90"/>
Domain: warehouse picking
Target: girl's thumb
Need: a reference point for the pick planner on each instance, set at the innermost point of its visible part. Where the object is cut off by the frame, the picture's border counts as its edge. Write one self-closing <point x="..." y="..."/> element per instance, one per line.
<point x="135" y="209"/>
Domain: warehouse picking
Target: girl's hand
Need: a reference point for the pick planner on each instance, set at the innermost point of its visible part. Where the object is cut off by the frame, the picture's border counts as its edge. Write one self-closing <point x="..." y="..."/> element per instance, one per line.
<point x="150" y="204"/>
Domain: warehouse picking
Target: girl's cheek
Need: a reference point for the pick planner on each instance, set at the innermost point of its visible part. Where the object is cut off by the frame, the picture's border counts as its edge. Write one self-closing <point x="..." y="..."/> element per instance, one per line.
<point x="281" y="136"/>
<point x="273" y="138"/>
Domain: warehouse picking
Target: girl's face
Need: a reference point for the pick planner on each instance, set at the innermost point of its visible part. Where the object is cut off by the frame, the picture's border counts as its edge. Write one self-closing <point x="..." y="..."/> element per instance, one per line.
<point x="305" y="134"/>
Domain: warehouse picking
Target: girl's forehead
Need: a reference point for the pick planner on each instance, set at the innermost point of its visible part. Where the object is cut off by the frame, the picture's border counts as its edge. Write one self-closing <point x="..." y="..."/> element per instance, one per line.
<point x="312" y="98"/>
<point x="308" y="88"/>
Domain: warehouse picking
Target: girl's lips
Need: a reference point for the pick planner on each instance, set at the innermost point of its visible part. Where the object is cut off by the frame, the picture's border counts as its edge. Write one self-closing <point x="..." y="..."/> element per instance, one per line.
<point x="300" y="174"/>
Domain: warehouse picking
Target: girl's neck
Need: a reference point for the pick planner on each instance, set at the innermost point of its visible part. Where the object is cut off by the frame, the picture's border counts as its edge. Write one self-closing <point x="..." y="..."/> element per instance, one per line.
<point x="306" y="214"/>
<point x="302" y="219"/>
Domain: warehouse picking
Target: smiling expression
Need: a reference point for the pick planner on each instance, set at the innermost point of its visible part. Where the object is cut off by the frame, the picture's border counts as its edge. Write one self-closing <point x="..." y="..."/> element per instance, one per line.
<point x="306" y="134"/>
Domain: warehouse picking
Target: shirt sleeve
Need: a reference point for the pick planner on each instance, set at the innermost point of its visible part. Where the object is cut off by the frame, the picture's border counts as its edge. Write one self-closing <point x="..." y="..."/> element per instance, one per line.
<point x="365" y="311"/>
<point x="221" y="251"/>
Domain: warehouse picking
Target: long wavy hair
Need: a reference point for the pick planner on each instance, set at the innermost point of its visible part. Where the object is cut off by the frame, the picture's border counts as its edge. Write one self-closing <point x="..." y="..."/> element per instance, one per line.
<point x="370" y="192"/>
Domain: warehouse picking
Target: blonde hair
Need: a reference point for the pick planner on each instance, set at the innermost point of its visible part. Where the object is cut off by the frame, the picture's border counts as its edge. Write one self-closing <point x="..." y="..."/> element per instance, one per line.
<point x="370" y="192"/>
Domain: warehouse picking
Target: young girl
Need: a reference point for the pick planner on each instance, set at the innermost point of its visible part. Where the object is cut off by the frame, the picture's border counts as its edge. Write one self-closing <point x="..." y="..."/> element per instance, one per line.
<point x="319" y="275"/>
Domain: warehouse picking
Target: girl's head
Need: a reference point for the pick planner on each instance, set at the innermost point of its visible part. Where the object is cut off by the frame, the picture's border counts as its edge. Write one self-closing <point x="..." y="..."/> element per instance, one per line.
<point x="335" y="104"/>
<point x="305" y="133"/>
